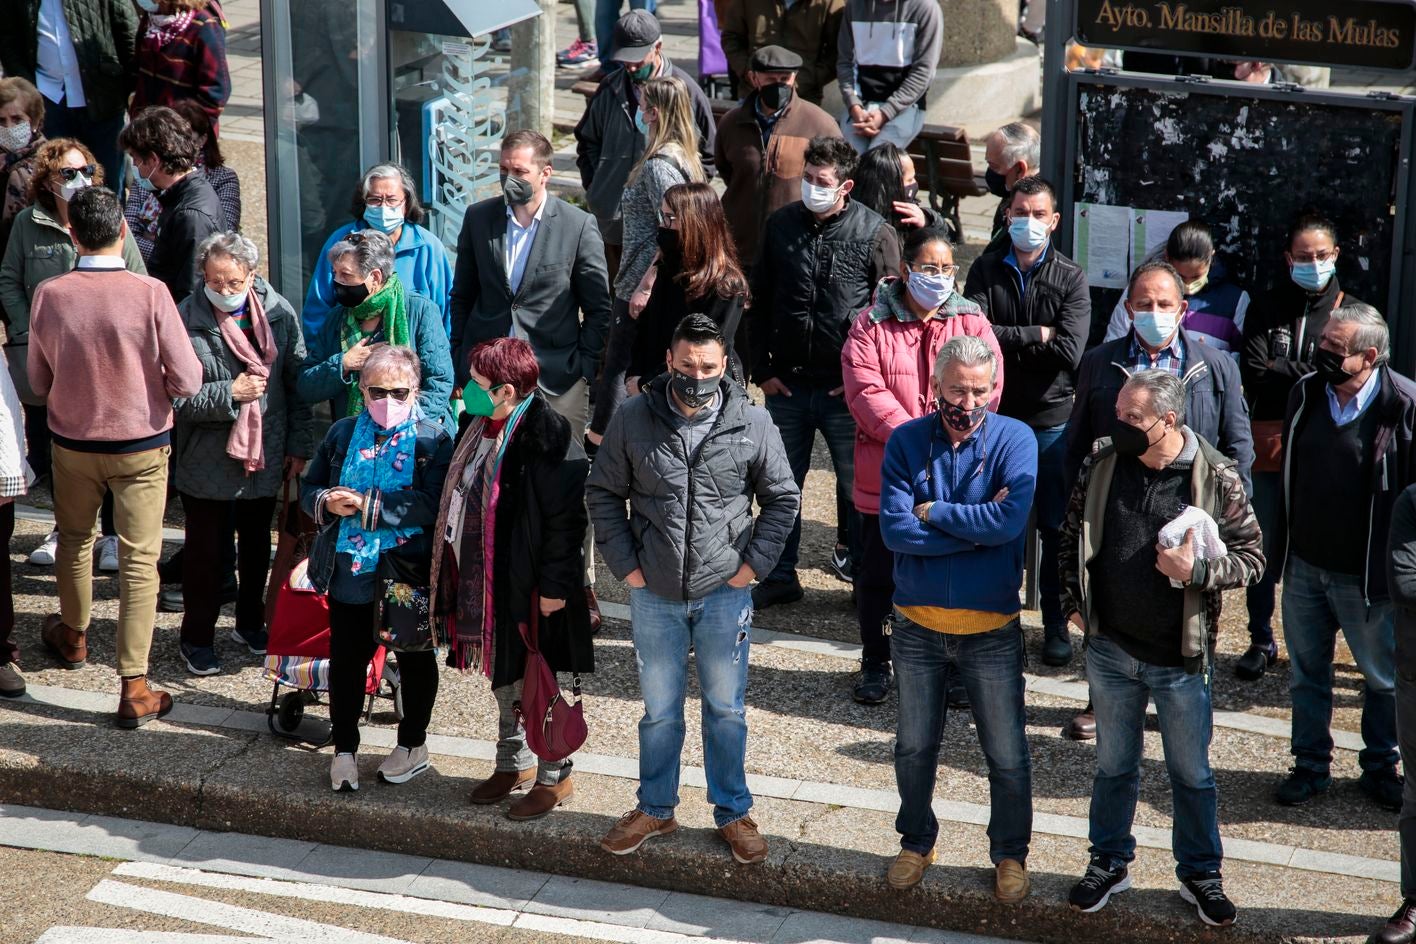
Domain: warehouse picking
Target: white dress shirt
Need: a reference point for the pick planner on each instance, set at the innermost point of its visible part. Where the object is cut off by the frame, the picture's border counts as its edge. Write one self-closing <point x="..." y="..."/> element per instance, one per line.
<point x="57" y="67"/>
<point x="518" y="244"/>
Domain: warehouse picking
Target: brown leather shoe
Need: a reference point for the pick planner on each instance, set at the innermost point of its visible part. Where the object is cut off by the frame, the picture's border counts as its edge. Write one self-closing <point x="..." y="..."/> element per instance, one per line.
<point x="69" y="646"/>
<point x="1082" y="727"/>
<point x="138" y="704"/>
<point x="746" y="842"/>
<point x="632" y="829"/>
<point x="907" y="869"/>
<point x="541" y="800"/>
<point x="1011" y="882"/>
<point x="594" y="610"/>
<point x="501" y="785"/>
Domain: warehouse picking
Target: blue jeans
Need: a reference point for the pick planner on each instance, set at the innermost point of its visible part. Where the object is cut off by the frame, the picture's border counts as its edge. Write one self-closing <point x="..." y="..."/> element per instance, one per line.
<point x="607" y="14"/>
<point x="1119" y="687"/>
<point x="1050" y="506"/>
<point x="991" y="665"/>
<point x="1259" y="597"/>
<point x="1316" y="603"/>
<point x="798" y="417"/>
<point x="718" y="627"/>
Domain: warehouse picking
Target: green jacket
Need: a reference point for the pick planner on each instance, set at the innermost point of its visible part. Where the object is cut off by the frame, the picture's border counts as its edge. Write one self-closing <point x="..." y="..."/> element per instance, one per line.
<point x="105" y="34"/>
<point x="1216" y="487"/>
<point x="39" y="249"/>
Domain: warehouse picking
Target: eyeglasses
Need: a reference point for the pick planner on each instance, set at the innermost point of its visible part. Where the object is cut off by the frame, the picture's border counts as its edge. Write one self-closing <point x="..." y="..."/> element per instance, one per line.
<point x="375" y="200"/>
<point x="69" y="173"/>
<point x="226" y="288"/>
<point x="1324" y="256"/>
<point x="378" y="393"/>
<point x="933" y="270"/>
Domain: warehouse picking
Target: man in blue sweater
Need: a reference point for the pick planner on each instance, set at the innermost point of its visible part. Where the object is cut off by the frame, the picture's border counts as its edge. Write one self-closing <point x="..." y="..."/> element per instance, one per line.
<point x="956" y="487"/>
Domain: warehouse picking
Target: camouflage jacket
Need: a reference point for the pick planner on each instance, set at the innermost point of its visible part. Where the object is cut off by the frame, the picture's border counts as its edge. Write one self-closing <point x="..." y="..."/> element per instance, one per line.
<point x="1216" y="487"/>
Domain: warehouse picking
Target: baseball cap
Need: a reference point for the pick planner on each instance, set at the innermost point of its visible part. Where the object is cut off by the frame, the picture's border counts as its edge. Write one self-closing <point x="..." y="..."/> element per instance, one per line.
<point x="636" y="34"/>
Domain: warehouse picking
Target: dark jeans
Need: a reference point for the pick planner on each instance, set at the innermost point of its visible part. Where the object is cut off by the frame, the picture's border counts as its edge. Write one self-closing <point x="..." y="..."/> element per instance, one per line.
<point x="1050" y="505"/>
<point x="203" y="573"/>
<point x="992" y="668"/>
<point x="9" y="645"/>
<point x="798" y="417"/>
<point x="875" y="589"/>
<point x="351" y="647"/>
<point x="61" y="121"/>
<point x="1406" y="729"/>
<point x="609" y="389"/>
<point x="1268" y="508"/>
<point x="37" y="438"/>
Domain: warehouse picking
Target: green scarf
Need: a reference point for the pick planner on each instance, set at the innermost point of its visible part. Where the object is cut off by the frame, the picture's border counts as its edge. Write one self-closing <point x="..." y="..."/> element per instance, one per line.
<point x="390" y="303"/>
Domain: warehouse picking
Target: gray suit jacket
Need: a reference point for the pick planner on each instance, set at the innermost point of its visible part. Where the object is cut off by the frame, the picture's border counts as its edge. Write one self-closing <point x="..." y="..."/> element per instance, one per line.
<point x="565" y="278"/>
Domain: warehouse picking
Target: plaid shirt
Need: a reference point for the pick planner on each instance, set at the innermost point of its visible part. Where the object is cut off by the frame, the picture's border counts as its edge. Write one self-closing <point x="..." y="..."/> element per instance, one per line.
<point x="191" y="64"/>
<point x="1171" y="357"/>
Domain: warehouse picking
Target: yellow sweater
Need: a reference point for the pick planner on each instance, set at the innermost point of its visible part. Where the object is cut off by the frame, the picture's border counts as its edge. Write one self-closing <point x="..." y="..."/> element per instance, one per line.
<point x="956" y="622"/>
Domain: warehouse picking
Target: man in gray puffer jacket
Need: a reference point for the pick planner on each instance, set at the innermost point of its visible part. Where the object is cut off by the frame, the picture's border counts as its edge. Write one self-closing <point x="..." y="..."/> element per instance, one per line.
<point x="690" y="454"/>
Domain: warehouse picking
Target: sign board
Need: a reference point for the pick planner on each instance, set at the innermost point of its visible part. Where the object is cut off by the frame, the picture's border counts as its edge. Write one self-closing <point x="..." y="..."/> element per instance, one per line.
<point x="1372" y="34"/>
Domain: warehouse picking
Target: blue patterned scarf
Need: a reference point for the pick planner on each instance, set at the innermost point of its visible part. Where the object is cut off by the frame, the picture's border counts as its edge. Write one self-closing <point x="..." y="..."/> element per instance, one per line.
<point x="373" y="468"/>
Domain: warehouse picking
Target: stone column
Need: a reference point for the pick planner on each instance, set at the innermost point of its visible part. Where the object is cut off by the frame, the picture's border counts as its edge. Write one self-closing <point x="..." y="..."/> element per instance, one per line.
<point x="532" y="99"/>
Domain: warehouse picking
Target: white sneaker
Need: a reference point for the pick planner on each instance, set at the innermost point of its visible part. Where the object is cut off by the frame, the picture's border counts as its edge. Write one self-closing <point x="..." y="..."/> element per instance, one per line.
<point x="344" y="773"/>
<point x="43" y="556"/>
<point x="108" y="554"/>
<point x="403" y="764"/>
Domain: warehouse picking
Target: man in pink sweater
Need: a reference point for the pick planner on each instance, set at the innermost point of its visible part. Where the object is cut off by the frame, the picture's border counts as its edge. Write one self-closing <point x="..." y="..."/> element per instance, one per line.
<point x="109" y="352"/>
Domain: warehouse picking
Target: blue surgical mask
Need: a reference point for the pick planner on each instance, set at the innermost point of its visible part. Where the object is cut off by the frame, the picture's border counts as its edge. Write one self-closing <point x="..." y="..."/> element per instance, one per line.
<point x="385" y="219"/>
<point x="1028" y="233"/>
<point x="640" y="124"/>
<point x="1313" y="276"/>
<point x="1155" y="327"/>
<point x="930" y="291"/>
<point x="144" y="183"/>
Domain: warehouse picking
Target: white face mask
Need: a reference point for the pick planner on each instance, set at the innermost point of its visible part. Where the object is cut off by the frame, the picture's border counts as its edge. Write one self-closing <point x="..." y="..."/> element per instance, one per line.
<point x="226" y="303"/>
<point x="16" y="136"/>
<point x="72" y="187"/>
<point x="819" y="199"/>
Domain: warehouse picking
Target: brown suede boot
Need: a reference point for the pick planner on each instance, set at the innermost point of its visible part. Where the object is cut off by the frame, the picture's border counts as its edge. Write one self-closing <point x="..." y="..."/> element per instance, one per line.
<point x="68" y="645"/>
<point x="138" y="704"/>
<point x="501" y="785"/>
<point x="541" y="800"/>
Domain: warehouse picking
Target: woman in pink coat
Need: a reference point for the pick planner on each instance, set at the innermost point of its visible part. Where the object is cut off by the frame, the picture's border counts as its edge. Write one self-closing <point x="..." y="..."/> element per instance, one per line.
<point x="887" y="361"/>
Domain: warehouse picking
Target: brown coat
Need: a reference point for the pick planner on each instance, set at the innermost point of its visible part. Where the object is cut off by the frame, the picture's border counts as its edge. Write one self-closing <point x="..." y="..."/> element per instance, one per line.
<point x="808" y="29"/>
<point x="763" y="180"/>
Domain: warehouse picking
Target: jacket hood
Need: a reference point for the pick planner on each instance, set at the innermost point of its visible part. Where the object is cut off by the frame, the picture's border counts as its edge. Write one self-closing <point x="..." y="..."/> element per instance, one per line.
<point x="889" y="302"/>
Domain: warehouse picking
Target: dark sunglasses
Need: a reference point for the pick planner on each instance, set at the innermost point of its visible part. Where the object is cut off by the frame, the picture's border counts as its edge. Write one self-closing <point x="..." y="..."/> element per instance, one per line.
<point x="69" y="173"/>
<point x="398" y="393"/>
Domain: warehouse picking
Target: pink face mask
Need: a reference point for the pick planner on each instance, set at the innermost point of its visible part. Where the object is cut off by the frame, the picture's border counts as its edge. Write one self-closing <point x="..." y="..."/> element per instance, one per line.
<point x="388" y="412"/>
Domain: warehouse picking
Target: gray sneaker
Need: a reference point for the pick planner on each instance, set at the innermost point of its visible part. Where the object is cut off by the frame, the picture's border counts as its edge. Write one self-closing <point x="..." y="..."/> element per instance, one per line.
<point x="12" y="683"/>
<point x="403" y="764"/>
<point x="344" y="773"/>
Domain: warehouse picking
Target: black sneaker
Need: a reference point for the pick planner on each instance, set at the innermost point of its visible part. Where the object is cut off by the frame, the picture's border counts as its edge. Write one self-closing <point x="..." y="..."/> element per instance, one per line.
<point x="841" y="565"/>
<point x="1384" y="787"/>
<point x="201" y="660"/>
<point x="773" y="592"/>
<point x="1301" y="786"/>
<point x="1056" y="645"/>
<point x="1096" y="887"/>
<point x="1255" y="662"/>
<point x="1401" y="929"/>
<point x="1206" y="892"/>
<point x="252" y="639"/>
<point x="874" y="684"/>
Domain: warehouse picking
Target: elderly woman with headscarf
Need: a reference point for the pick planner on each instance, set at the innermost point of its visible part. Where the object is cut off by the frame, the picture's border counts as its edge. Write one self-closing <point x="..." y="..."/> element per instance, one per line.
<point x="374" y="308"/>
<point x="511" y="525"/>
<point x="374" y="488"/>
<point x="236" y="441"/>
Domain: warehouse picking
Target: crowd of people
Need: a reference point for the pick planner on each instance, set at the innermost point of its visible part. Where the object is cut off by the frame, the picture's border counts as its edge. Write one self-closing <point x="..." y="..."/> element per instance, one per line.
<point x="577" y="380"/>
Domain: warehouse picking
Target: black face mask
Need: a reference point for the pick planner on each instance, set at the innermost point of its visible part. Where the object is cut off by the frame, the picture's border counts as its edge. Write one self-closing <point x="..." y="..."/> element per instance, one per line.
<point x="1130" y="440"/>
<point x="516" y="190"/>
<point x="668" y="240"/>
<point x="1329" y="367"/>
<point x="997" y="183"/>
<point x="350" y="295"/>
<point x="693" y="392"/>
<point x="775" y="96"/>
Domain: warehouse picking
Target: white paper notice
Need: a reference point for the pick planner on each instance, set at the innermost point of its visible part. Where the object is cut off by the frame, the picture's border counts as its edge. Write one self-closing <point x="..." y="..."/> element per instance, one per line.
<point x="1103" y="237"/>
<point x="1150" y="230"/>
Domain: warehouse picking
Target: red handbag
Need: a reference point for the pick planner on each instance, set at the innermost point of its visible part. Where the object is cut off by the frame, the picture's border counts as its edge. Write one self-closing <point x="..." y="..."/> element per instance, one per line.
<point x="555" y="728"/>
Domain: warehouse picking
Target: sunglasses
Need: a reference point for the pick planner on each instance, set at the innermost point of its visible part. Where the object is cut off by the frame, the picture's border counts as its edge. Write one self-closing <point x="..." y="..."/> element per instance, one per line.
<point x="378" y="393"/>
<point x="69" y="173"/>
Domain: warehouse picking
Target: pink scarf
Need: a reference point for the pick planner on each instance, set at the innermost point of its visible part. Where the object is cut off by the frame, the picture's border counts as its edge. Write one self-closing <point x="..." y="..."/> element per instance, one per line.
<point x="245" y="444"/>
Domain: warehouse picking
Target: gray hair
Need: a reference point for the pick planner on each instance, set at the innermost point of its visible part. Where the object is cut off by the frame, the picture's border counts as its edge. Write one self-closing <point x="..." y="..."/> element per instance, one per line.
<point x="1021" y="142"/>
<point x="1372" y="329"/>
<point x="1167" y="391"/>
<point x="387" y="172"/>
<point x="966" y="351"/>
<point x="371" y="250"/>
<point x="397" y="357"/>
<point x="1156" y="265"/>
<point x="232" y="244"/>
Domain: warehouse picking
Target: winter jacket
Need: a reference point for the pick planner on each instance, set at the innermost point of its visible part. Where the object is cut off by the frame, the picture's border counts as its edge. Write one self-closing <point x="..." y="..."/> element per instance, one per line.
<point x="105" y="34"/>
<point x="419" y="258"/>
<point x="412" y="507"/>
<point x="887" y="364"/>
<point x="763" y="179"/>
<point x="1401" y="581"/>
<point x="889" y="52"/>
<point x="607" y="144"/>
<point x="1271" y="370"/>
<point x="323" y="378"/>
<point x="690" y="525"/>
<point x="1214" y="316"/>
<point x="541" y="524"/>
<point x="1215" y="487"/>
<point x="191" y="211"/>
<point x="190" y="66"/>
<point x="1214" y="402"/>
<point x="200" y="466"/>
<point x="814" y="276"/>
<point x="809" y="28"/>
<point x="1392" y="455"/>
<point x="1041" y="374"/>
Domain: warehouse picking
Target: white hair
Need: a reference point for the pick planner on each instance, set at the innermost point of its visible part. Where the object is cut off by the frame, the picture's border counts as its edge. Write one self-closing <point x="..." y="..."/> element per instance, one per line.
<point x="1372" y="330"/>
<point x="238" y="247"/>
<point x="1167" y="392"/>
<point x="1021" y="142"/>
<point x="966" y="351"/>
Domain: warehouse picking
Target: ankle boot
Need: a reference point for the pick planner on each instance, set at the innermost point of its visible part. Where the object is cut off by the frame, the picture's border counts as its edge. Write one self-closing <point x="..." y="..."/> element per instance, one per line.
<point x="138" y="704"/>
<point x="68" y="645"/>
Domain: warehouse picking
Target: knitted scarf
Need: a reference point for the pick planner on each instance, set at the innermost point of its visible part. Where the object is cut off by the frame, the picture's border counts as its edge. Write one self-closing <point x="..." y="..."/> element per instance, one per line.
<point x="373" y="468"/>
<point x="246" y="442"/>
<point x="163" y="28"/>
<point x="391" y="303"/>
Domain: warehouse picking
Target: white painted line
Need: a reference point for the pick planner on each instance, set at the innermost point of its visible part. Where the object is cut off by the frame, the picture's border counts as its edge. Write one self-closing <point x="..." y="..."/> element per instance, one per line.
<point x="74" y="935"/>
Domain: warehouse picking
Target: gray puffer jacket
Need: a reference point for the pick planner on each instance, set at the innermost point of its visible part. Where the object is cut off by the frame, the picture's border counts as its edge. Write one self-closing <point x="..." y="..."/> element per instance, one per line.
<point x="200" y="466"/>
<point x="690" y="524"/>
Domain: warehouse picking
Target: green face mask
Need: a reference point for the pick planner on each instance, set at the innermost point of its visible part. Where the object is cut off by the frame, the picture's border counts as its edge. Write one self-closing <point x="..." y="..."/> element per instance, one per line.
<point x="644" y="73"/>
<point x="477" y="401"/>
